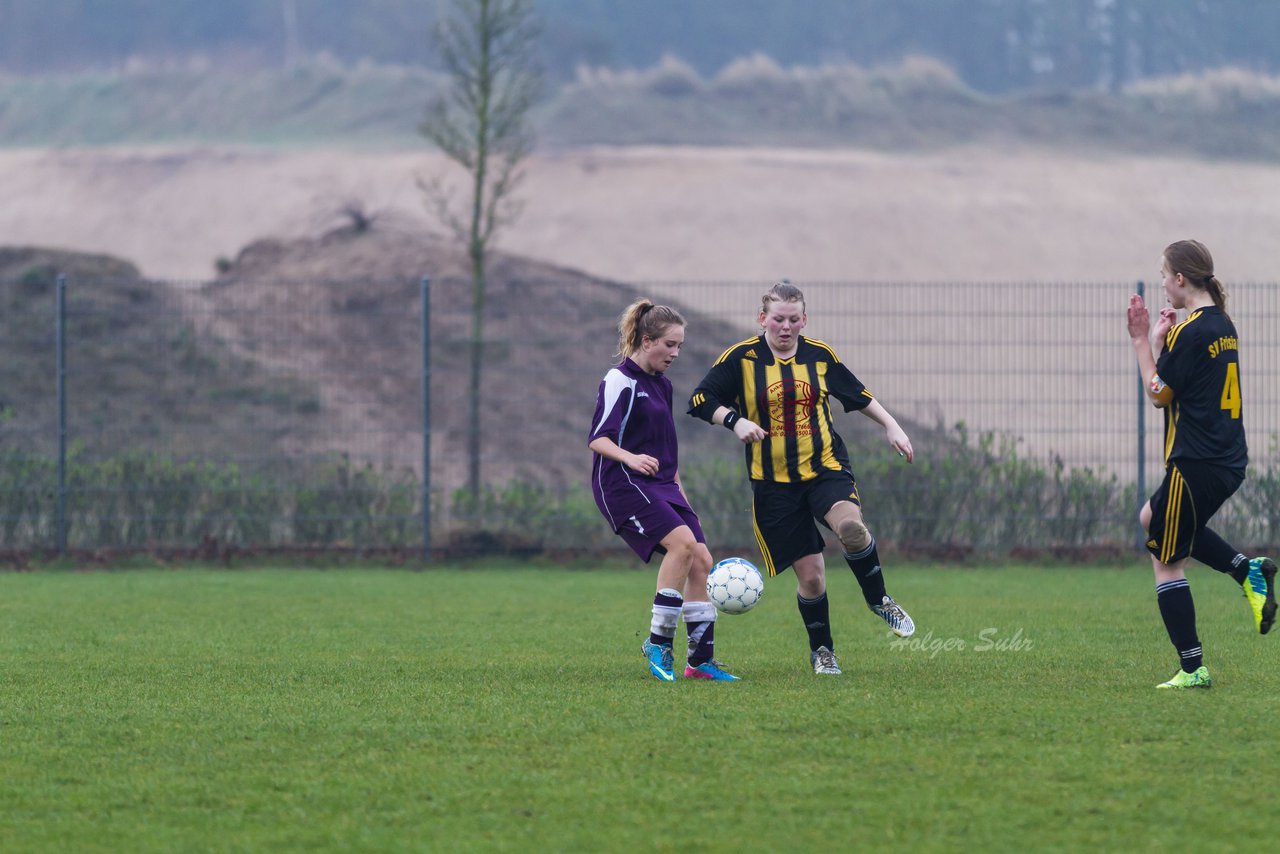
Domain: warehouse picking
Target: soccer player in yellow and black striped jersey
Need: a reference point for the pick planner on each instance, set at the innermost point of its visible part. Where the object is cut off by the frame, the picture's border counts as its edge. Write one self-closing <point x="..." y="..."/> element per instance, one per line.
<point x="1196" y="381"/>
<point x="774" y="392"/>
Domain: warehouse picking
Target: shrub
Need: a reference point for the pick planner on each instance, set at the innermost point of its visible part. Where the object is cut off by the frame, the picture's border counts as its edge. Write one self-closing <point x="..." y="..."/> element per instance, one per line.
<point x="968" y="494"/>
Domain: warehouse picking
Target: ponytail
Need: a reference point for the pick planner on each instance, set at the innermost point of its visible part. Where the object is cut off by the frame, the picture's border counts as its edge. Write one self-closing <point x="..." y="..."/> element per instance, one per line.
<point x="1191" y="258"/>
<point x="640" y="320"/>
<point x="1217" y="291"/>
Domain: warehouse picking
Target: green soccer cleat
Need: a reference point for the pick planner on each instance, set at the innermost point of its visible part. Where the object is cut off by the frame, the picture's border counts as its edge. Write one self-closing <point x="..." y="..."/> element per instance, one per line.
<point x="1260" y="589"/>
<point x="1183" y="679"/>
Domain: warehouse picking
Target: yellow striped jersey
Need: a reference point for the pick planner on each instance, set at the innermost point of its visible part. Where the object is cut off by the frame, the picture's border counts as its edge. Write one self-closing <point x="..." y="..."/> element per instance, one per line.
<point x="789" y="398"/>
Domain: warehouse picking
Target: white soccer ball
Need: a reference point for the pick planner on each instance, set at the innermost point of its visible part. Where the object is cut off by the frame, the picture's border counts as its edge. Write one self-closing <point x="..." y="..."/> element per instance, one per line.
<point x="735" y="586"/>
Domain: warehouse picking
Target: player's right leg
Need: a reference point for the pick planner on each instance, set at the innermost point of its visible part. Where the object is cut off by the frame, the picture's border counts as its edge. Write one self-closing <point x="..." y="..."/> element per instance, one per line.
<point x="1170" y="520"/>
<point x="656" y="527"/>
<point x="788" y="536"/>
<point x="815" y="610"/>
<point x="679" y="549"/>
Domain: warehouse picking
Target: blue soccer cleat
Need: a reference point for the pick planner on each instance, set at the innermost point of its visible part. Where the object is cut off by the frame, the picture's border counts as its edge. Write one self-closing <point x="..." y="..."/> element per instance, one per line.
<point x="661" y="660"/>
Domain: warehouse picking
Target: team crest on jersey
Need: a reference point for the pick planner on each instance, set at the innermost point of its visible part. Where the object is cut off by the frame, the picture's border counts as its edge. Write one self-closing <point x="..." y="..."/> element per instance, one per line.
<point x="794" y="397"/>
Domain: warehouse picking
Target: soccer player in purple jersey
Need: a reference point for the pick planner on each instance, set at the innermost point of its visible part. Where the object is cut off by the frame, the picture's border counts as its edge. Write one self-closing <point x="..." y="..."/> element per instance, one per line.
<point x="1196" y="381"/>
<point x="635" y="479"/>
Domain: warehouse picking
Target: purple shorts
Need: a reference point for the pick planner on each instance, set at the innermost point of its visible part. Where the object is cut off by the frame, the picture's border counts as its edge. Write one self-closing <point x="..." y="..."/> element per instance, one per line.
<point x="645" y="530"/>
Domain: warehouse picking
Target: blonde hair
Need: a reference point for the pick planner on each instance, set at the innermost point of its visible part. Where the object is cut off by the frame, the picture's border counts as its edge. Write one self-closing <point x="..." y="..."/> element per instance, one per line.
<point x="643" y="319"/>
<point x="783" y="291"/>
<point x="1191" y="258"/>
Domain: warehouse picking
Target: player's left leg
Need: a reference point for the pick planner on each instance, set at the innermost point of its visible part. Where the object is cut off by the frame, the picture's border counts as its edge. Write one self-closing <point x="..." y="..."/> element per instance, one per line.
<point x="1256" y="576"/>
<point x="1219" y="555"/>
<point x="679" y="548"/>
<point x="1210" y="488"/>
<point x="1260" y="589"/>
<point x="845" y="518"/>
<point x="700" y="622"/>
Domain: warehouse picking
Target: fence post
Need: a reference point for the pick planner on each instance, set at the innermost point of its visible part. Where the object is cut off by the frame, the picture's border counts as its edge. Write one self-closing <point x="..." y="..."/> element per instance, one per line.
<point x="1142" y="442"/>
<point x="60" y="344"/>
<point x="425" y="297"/>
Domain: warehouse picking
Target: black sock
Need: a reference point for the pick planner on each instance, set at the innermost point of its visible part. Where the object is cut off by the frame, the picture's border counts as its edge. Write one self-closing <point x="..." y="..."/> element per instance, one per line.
<point x="1179" y="613"/>
<point x="816" y="614"/>
<point x="866" y="568"/>
<point x="1215" y="553"/>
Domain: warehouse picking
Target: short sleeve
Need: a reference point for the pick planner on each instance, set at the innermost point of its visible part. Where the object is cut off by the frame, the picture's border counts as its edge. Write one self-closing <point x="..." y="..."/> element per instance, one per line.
<point x="846" y="388"/>
<point x="613" y="402"/>
<point x="722" y="386"/>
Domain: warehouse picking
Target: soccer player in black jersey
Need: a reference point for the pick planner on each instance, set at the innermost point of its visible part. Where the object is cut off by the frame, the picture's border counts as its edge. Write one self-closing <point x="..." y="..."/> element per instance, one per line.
<point x="1196" y="381"/>
<point x="773" y="391"/>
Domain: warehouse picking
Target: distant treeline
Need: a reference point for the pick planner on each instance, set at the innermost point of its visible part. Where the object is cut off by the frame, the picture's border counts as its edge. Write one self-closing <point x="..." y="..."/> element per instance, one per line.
<point x="994" y="46"/>
<point x="917" y="104"/>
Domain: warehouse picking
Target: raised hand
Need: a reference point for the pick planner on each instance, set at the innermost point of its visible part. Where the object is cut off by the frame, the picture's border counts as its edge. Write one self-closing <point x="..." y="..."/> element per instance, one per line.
<point x="1168" y="317"/>
<point x="1139" y="319"/>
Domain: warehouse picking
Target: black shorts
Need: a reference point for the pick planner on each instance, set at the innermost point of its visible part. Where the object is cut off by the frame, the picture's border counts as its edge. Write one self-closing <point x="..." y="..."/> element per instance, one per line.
<point x="1184" y="503"/>
<point x="785" y="515"/>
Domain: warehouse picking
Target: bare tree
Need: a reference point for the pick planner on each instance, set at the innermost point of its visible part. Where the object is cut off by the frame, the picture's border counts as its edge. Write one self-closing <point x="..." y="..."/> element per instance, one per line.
<point x="480" y="122"/>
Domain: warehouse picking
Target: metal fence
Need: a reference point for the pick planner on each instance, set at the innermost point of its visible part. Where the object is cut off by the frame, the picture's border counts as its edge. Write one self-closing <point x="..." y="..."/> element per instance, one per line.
<point x="286" y="415"/>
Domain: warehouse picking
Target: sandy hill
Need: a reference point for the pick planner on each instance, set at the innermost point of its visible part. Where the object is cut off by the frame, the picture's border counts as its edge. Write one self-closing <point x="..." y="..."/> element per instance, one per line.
<point x="312" y="346"/>
<point x="140" y="375"/>
<point x="343" y="311"/>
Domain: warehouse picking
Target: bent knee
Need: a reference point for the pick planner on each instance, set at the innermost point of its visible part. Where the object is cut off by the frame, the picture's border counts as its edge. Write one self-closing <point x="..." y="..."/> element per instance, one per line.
<point x="853" y="535"/>
<point x="681" y="546"/>
<point x="700" y="562"/>
<point x="1144" y="516"/>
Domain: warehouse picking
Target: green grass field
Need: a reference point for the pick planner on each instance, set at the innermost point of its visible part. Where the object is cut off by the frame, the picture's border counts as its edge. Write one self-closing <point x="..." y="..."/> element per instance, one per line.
<point x="509" y="709"/>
